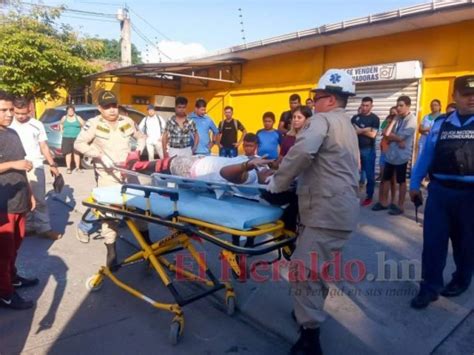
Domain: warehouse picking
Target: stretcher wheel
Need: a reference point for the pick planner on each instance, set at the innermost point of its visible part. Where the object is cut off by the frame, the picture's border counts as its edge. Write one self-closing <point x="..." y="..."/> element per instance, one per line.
<point x="94" y="283"/>
<point x="230" y="303"/>
<point x="175" y="330"/>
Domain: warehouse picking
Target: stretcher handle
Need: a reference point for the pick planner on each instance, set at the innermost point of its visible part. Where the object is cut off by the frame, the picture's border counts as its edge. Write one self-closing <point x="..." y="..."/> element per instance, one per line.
<point x="173" y="195"/>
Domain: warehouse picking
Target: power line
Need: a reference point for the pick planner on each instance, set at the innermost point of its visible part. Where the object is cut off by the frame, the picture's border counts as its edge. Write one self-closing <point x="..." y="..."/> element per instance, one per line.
<point x="89" y="18"/>
<point x="101" y="3"/>
<point x="151" y="26"/>
<point x="147" y="40"/>
<point x="65" y="9"/>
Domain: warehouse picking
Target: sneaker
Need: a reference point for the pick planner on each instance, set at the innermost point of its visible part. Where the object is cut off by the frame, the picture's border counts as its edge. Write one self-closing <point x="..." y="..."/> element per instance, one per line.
<point x="454" y="289"/>
<point x="82" y="236"/>
<point x="379" y="207"/>
<point x="392" y="206"/>
<point x="20" y="282"/>
<point x="51" y="235"/>
<point x="366" y="202"/>
<point x="15" y="302"/>
<point x="308" y="343"/>
<point x="68" y="171"/>
<point x="423" y="299"/>
<point x="395" y="211"/>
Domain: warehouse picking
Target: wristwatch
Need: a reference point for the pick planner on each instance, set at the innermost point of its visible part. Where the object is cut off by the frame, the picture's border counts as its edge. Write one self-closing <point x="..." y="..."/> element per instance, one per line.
<point x="54" y="165"/>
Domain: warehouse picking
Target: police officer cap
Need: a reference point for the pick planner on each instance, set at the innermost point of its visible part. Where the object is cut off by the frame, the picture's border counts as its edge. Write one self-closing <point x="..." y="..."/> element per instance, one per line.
<point x="107" y="98"/>
<point x="464" y="84"/>
<point x="337" y="81"/>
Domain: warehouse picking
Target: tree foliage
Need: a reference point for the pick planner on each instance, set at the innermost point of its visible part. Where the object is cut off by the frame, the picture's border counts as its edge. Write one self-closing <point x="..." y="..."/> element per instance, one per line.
<point x="111" y="51"/>
<point x="38" y="56"/>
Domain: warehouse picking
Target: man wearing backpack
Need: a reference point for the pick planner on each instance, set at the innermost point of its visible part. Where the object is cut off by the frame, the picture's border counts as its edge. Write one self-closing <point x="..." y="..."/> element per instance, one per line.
<point x="228" y="132"/>
<point x="153" y="127"/>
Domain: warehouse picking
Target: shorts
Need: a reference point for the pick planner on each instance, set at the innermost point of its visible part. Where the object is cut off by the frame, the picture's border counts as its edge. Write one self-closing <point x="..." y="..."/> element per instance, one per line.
<point x="67" y="146"/>
<point x="400" y="171"/>
<point x="181" y="166"/>
<point x="382" y="161"/>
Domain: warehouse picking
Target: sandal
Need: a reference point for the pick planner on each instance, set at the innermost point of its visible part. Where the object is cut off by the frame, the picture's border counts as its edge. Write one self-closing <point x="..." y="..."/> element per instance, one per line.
<point x="68" y="171"/>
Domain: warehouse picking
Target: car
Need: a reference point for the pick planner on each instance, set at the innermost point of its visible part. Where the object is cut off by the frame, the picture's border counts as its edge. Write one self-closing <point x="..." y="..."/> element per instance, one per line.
<point x="52" y="117"/>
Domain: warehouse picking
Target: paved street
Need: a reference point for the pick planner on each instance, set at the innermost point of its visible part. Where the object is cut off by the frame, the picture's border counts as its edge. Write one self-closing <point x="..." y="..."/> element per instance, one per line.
<point x="365" y="317"/>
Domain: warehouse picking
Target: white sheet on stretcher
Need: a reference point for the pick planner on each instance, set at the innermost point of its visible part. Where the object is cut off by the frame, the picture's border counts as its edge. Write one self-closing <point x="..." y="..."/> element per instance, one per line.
<point x="229" y="211"/>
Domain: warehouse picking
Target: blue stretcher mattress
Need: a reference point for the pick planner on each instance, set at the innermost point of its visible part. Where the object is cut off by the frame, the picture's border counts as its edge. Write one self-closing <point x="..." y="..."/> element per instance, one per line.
<point x="231" y="212"/>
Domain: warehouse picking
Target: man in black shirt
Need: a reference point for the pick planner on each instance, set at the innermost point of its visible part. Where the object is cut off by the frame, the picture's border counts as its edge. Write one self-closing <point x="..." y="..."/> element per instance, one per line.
<point x="285" y="119"/>
<point x="228" y="131"/>
<point x="15" y="201"/>
<point x="366" y="125"/>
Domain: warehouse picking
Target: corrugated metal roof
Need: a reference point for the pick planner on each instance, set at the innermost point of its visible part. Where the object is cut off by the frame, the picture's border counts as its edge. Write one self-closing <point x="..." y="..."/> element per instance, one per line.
<point x="420" y="16"/>
<point x="153" y="69"/>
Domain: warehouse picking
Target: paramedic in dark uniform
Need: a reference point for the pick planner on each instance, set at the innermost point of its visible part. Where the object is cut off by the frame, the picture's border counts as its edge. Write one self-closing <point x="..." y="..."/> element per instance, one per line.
<point x="448" y="156"/>
<point x="107" y="138"/>
<point x="325" y="161"/>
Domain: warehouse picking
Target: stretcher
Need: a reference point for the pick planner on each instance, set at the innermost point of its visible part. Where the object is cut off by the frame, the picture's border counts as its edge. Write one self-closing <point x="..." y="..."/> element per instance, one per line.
<point x="192" y="211"/>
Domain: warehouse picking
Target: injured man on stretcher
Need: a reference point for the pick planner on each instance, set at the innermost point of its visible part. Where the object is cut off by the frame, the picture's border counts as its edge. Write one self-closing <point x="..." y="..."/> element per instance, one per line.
<point x="238" y="170"/>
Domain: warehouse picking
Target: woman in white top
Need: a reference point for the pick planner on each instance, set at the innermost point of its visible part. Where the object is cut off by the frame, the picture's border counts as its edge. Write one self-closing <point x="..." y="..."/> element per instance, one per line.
<point x="427" y="123"/>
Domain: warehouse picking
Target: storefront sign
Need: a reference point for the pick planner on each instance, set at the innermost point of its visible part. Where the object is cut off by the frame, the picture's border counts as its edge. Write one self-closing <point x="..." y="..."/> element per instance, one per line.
<point x="383" y="72"/>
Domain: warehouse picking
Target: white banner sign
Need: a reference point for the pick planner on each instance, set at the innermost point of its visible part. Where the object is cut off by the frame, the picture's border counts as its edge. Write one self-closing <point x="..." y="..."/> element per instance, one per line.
<point x="390" y="71"/>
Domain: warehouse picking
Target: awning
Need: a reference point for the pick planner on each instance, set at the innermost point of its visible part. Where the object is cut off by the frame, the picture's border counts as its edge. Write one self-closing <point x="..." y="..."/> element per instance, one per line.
<point x="224" y="71"/>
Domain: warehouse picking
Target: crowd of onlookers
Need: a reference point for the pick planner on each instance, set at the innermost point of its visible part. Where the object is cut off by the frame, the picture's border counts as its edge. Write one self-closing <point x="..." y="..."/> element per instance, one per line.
<point x="196" y="133"/>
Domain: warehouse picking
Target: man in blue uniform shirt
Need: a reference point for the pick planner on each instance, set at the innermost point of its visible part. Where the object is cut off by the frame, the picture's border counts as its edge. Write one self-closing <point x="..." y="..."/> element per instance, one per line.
<point x="448" y="156"/>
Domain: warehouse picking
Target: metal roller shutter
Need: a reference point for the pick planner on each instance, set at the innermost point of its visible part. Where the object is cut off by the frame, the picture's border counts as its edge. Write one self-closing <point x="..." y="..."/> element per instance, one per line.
<point x="385" y="95"/>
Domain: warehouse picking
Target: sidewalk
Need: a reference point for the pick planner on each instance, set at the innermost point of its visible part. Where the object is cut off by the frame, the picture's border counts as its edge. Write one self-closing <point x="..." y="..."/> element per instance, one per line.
<point x="366" y="317"/>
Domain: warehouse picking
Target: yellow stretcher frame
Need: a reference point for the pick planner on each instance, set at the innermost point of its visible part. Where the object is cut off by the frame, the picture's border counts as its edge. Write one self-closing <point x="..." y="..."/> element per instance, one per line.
<point x="182" y="228"/>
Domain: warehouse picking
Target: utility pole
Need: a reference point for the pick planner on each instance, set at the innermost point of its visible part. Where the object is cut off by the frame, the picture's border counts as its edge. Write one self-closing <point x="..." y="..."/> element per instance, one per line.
<point x="125" y="36"/>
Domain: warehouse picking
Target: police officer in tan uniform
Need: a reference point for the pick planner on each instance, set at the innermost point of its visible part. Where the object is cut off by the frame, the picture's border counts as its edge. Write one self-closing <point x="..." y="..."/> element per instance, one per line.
<point x="107" y="139"/>
<point x="325" y="161"/>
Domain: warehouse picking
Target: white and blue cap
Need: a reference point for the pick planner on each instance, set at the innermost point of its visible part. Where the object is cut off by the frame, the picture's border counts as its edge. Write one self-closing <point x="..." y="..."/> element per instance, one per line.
<point x="336" y="81"/>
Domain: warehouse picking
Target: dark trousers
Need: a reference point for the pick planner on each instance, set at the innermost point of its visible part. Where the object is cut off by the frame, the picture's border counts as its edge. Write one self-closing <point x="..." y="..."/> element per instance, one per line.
<point x="367" y="161"/>
<point x="228" y="152"/>
<point x="290" y="213"/>
<point x="12" y="232"/>
<point x="448" y="215"/>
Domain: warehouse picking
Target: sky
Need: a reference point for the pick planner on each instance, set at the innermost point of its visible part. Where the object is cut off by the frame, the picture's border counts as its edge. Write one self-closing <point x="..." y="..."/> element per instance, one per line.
<point x="187" y="28"/>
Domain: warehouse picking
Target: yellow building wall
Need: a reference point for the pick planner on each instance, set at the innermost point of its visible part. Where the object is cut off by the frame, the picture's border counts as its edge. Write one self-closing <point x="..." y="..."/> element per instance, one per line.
<point x="266" y="83"/>
<point x="42" y="105"/>
<point x="445" y="51"/>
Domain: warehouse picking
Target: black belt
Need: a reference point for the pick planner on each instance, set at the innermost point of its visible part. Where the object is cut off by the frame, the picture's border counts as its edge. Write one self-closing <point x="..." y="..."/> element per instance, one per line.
<point x="458" y="185"/>
<point x="176" y="147"/>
